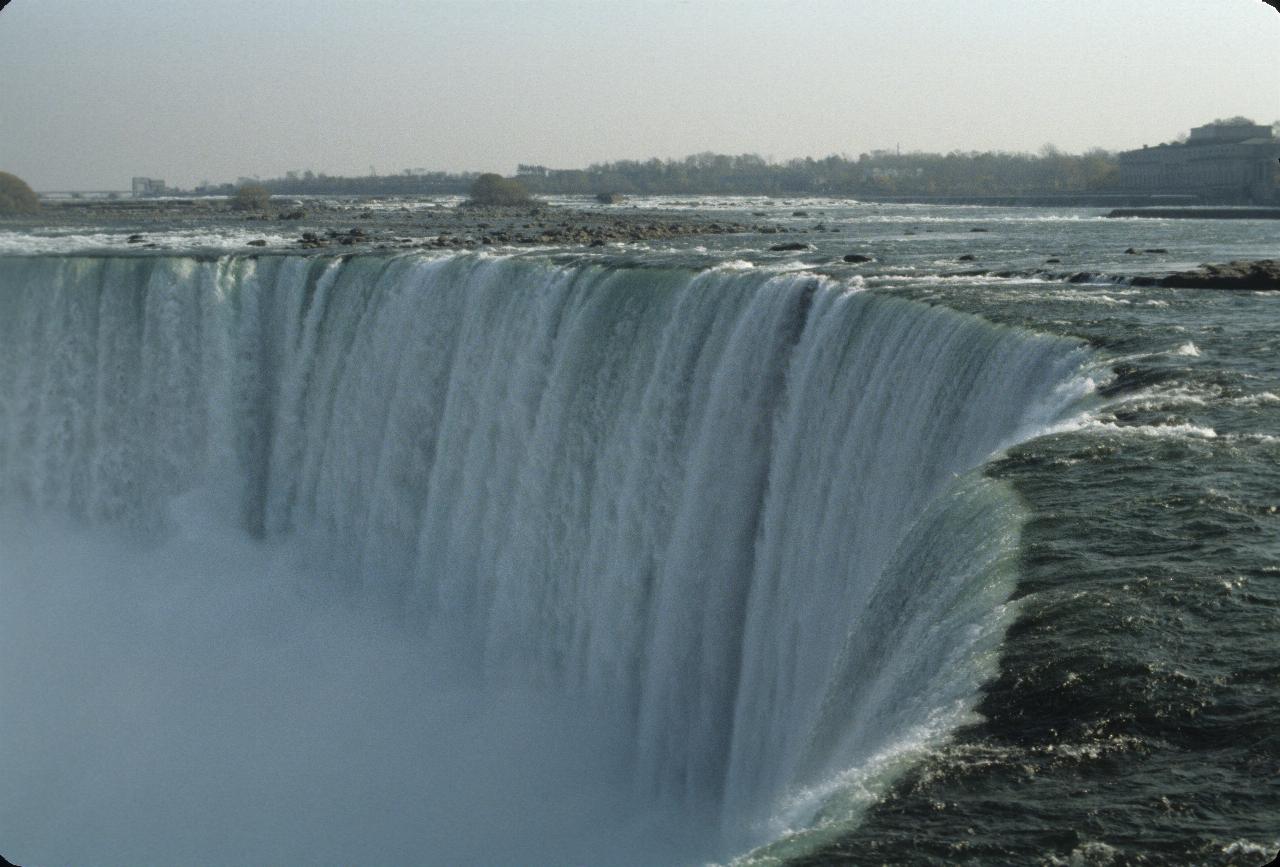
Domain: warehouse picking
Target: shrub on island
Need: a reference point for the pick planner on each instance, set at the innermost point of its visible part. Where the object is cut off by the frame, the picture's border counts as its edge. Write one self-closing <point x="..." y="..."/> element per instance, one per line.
<point x="251" y="197"/>
<point x="16" y="197"/>
<point x="493" y="189"/>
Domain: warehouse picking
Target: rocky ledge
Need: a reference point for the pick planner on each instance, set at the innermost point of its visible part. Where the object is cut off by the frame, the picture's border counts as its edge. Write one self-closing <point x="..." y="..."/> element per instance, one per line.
<point x="381" y="225"/>
<point x="1261" y="274"/>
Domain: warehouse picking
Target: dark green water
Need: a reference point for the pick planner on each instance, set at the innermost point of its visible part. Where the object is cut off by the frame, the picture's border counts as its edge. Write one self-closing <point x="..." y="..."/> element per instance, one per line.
<point x="1134" y="718"/>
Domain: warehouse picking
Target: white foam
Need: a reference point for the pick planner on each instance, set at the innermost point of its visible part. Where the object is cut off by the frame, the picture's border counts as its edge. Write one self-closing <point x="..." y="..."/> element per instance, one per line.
<point x="1174" y="431"/>
<point x="1262" y="398"/>
<point x="49" y="242"/>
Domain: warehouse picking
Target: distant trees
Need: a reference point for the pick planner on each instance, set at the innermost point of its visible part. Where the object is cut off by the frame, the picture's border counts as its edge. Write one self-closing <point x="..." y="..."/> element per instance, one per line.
<point x="419" y="184"/>
<point x="880" y="173"/>
<point x="16" y="197"/>
<point x="251" y="197"/>
<point x="493" y="189"/>
<point x="886" y="173"/>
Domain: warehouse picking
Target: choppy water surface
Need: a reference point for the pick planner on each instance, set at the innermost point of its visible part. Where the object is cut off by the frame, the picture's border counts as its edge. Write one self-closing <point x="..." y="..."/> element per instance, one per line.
<point x="754" y="515"/>
<point x="1134" y="717"/>
<point x="1133" y="720"/>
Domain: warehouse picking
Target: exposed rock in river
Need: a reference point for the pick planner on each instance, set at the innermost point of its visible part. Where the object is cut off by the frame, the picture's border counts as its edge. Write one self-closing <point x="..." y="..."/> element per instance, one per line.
<point x="1261" y="274"/>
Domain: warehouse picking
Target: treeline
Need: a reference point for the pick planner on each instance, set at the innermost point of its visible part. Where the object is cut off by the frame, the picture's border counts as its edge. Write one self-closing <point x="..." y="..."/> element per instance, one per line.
<point x="308" y="183"/>
<point x="881" y="173"/>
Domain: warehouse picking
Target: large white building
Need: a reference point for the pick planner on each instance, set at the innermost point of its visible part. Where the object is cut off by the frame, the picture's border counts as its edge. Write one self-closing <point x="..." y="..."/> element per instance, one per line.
<point x="148" y="187"/>
<point x="1221" y="163"/>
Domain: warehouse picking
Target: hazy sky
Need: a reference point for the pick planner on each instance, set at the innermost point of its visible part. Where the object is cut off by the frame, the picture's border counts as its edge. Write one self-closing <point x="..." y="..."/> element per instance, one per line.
<point x="95" y="91"/>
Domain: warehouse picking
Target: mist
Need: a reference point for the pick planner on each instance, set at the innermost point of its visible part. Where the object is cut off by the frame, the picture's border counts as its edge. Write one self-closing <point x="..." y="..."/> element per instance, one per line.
<point x="197" y="700"/>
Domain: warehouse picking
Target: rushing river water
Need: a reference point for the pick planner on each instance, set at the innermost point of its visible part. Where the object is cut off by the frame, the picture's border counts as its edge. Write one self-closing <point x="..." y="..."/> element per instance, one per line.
<point x="655" y="553"/>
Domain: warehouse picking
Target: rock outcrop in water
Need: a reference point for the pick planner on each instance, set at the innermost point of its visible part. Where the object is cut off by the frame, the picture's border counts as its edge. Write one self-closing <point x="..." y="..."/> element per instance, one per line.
<point x="16" y="197"/>
<point x="1261" y="274"/>
<point x="492" y="190"/>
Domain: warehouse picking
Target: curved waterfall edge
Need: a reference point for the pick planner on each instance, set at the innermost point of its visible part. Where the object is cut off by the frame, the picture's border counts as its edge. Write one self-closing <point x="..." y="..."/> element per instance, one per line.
<point x="743" y="510"/>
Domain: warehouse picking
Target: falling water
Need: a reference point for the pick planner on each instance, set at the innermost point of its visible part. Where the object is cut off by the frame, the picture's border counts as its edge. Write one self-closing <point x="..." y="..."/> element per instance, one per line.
<point x="734" y="517"/>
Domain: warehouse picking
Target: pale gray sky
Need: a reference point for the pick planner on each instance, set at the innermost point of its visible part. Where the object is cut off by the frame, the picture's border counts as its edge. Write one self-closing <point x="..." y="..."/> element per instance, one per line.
<point x="95" y="91"/>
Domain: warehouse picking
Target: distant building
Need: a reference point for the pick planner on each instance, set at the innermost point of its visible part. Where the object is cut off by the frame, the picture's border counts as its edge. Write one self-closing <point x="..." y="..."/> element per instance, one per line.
<point x="1221" y="163"/>
<point x="148" y="187"/>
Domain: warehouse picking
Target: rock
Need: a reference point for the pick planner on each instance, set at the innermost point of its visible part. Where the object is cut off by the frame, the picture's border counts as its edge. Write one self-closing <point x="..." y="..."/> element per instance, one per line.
<point x="791" y="246"/>
<point x="1263" y="274"/>
<point x="967" y="257"/>
<point x="1131" y="252"/>
<point x="610" y="198"/>
<point x="257" y="242"/>
<point x="979" y="230"/>
<point x="298" y="214"/>
<point x="136" y="239"/>
<point x="799" y="213"/>
<point x="857" y="258"/>
<point x="1052" y="261"/>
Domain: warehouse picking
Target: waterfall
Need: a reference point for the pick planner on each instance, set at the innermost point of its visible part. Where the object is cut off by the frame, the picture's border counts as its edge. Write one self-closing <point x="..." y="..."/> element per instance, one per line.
<point x="736" y="510"/>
